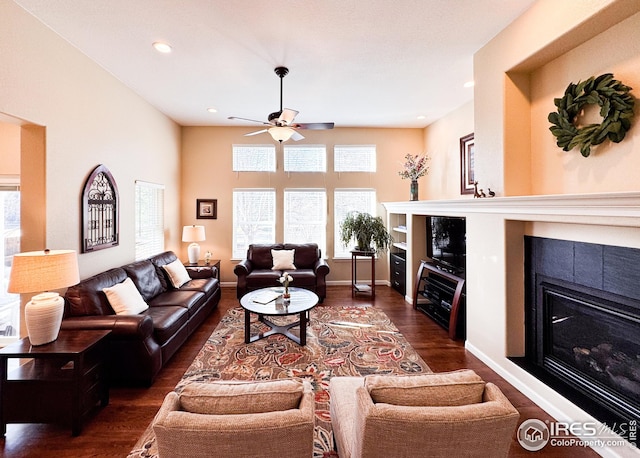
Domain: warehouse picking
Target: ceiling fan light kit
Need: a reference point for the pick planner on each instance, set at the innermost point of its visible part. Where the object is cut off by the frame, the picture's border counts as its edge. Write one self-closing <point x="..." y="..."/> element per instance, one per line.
<point x="281" y="122"/>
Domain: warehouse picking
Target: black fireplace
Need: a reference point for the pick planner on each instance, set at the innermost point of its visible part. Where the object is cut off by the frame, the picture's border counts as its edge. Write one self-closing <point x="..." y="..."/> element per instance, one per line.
<point x="583" y="324"/>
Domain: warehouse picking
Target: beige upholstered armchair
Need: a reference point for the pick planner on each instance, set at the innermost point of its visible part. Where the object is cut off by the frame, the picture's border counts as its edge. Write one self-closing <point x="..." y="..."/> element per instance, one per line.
<point x="237" y="419"/>
<point x="432" y="415"/>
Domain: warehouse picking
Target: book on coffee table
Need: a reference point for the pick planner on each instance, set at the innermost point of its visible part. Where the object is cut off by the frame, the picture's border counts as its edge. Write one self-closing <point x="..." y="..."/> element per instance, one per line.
<point x="264" y="297"/>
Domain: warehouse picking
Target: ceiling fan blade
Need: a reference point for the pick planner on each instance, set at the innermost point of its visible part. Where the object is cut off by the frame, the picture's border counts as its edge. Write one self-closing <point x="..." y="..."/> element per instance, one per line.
<point x="250" y="134"/>
<point x="314" y="125"/>
<point x="252" y="120"/>
<point x="287" y="116"/>
<point x="297" y="136"/>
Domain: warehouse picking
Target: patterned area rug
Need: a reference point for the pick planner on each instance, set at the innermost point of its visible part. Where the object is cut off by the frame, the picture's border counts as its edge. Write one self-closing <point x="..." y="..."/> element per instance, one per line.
<point x="352" y="341"/>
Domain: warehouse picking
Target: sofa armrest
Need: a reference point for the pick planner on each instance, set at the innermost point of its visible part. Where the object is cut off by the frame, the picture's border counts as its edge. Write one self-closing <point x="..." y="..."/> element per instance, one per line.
<point x="202" y="272"/>
<point x="122" y="326"/>
<point x="243" y="268"/>
<point x="321" y="268"/>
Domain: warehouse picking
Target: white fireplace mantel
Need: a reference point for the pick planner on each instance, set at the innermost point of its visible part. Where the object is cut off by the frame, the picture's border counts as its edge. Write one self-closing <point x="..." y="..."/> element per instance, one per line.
<point x="617" y="209"/>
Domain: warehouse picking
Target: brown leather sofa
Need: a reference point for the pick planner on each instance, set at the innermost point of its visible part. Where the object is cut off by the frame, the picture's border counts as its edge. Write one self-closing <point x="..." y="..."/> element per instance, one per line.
<point x="256" y="271"/>
<point x="140" y="345"/>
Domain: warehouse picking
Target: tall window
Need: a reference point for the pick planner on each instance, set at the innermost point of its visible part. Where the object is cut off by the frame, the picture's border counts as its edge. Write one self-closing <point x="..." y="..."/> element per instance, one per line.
<point x="345" y="201"/>
<point x="305" y="216"/>
<point x="354" y="158"/>
<point x="254" y="158"/>
<point x="254" y="219"/>
<point x="10" y="230"/>
<point x="149" y="219"/>
<point x="305" y="158"/>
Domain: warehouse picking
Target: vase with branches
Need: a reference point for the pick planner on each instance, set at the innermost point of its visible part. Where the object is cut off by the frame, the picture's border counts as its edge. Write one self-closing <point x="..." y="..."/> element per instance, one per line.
<point x="413" y="168"/>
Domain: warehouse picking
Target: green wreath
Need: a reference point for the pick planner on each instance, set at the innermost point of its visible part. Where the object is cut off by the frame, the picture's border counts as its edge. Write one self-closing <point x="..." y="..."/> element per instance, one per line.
<point x="616" y="108"/>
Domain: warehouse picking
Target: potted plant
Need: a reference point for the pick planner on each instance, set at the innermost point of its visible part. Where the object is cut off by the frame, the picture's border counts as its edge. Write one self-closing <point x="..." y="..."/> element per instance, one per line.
<point x="366" y="230"/>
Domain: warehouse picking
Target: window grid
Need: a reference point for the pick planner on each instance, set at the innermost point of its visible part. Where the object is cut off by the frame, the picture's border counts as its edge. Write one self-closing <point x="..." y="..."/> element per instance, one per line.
<point x="305" y="216"/>
<point x="254" y="219"/>
<point x="345" y="201"/>
<point x="354" y="158"/>
<point x="254" y="158"/>
<point x="149" y="224"/>
<point x="305" y="158"/>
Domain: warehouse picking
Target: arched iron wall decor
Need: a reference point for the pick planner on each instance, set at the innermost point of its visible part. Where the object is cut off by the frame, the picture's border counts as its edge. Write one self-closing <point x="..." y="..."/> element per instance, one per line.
<point x="100" y="211"/>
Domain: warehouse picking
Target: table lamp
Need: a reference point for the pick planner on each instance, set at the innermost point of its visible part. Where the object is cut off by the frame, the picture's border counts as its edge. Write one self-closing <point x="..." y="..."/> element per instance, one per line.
<point x="37" y="271"/>
<point x="193" y="234"/>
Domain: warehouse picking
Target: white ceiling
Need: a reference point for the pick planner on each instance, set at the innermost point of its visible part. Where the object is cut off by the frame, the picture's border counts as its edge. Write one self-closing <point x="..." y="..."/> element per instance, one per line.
<point x="358" y="63"/>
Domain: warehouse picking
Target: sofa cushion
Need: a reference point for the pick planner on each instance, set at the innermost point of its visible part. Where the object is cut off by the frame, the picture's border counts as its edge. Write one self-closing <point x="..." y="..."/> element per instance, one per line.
<point x="145" y="277"/>
<point x="303" y="277"/>
<point x="223" y="398"/>
<point x="455" y="388"/>
<point x="263" y="278"/>
<point x="260" y="254"/>
<point x="125" y="299"/>
<point x="283" y="259"/>
<point x="189" y="300"/>
<point x="86" y="298"/>
<point x="177" y="273"/>
<point x="306" y="256"/>
<point x="160" y="260"/>
<point x="208" y="286"/>
<point x="167" y="321"/>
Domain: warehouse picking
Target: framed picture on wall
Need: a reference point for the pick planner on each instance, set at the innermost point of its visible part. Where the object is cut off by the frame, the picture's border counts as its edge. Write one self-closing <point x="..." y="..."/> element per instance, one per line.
<point x="467" y="176"/>
<point x="206" y="208"/>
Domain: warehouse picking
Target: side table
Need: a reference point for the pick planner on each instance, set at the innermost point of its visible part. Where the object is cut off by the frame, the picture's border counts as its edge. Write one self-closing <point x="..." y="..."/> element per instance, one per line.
<point x="362" y="287"/>
<point x="202" y="265"/>
<point x="62" y="381"/>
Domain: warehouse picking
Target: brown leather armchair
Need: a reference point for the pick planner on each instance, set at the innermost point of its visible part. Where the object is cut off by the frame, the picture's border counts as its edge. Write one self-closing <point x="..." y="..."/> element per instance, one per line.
<point x="256" y="271"/>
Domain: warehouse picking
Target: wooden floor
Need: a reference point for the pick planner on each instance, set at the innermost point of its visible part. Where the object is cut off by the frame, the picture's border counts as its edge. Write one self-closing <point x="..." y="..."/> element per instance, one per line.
<point x="114" y="430"/>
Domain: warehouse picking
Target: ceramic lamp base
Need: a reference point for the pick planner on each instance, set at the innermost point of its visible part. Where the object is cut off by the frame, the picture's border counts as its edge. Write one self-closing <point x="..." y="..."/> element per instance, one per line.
<point x="194" y="253"/>
<point x="43" y="316"/>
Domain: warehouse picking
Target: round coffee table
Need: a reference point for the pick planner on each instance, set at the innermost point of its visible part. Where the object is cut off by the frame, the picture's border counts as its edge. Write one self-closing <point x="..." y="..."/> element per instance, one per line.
<point x="301" y="301"/>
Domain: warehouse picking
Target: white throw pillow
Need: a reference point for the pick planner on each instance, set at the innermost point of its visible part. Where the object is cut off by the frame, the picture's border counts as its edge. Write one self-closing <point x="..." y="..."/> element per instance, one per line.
<point x="125" y="299"/>
<point x="283" y="259"/>
<point x="177" y="273"/>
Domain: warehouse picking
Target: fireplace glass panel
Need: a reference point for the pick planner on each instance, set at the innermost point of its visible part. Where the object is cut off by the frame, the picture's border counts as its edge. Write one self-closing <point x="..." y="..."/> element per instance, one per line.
<point x="592" y="340"/>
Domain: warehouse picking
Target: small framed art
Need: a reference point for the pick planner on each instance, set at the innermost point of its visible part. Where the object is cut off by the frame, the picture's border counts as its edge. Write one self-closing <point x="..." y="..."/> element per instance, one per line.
<point x="467" y="176"/>
<point x="206" y="208"/>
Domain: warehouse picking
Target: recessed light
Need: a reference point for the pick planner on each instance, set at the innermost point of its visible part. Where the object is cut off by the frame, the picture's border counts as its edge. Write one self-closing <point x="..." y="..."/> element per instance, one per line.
<point x="421" y="117"/>
<point x="469" y="84"/>
<point x="162" y="47"/>
<point x="212" y="110"/>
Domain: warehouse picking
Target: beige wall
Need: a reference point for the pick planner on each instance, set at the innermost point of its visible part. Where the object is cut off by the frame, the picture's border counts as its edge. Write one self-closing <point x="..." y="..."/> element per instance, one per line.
<point x="9" y="149"/>
<point x="611" y="166"/>
<point x="90" y="118"/>
<point x="207" y="164"/>
<point x="442" y="143"/>
<point x="504" y="118"/>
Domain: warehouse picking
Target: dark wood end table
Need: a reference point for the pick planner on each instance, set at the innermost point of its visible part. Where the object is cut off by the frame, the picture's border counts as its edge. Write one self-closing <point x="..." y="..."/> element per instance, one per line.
<point x="61" y="381"/>
<point x="301" y="302"/>
<point x="357" y="287"/>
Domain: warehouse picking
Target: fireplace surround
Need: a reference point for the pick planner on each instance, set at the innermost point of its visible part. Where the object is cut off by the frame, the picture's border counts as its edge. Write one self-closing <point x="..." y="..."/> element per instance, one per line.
<point x="582" y="324"/>
<point x="495" y="281"/>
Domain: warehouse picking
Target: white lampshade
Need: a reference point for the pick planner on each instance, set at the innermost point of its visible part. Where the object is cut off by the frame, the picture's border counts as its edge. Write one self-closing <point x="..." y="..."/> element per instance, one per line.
<point x="38" y="271"/>
<point x="193" y="234"/>
<point x="281" y="134"/>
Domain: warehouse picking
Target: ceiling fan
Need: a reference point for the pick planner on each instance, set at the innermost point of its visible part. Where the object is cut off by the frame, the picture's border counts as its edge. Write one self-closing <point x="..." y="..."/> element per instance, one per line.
<point x="281" y="125"/>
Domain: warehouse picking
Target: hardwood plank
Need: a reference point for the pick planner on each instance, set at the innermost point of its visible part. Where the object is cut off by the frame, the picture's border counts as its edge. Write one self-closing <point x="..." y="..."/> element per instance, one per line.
<point x="114" y="430"/>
